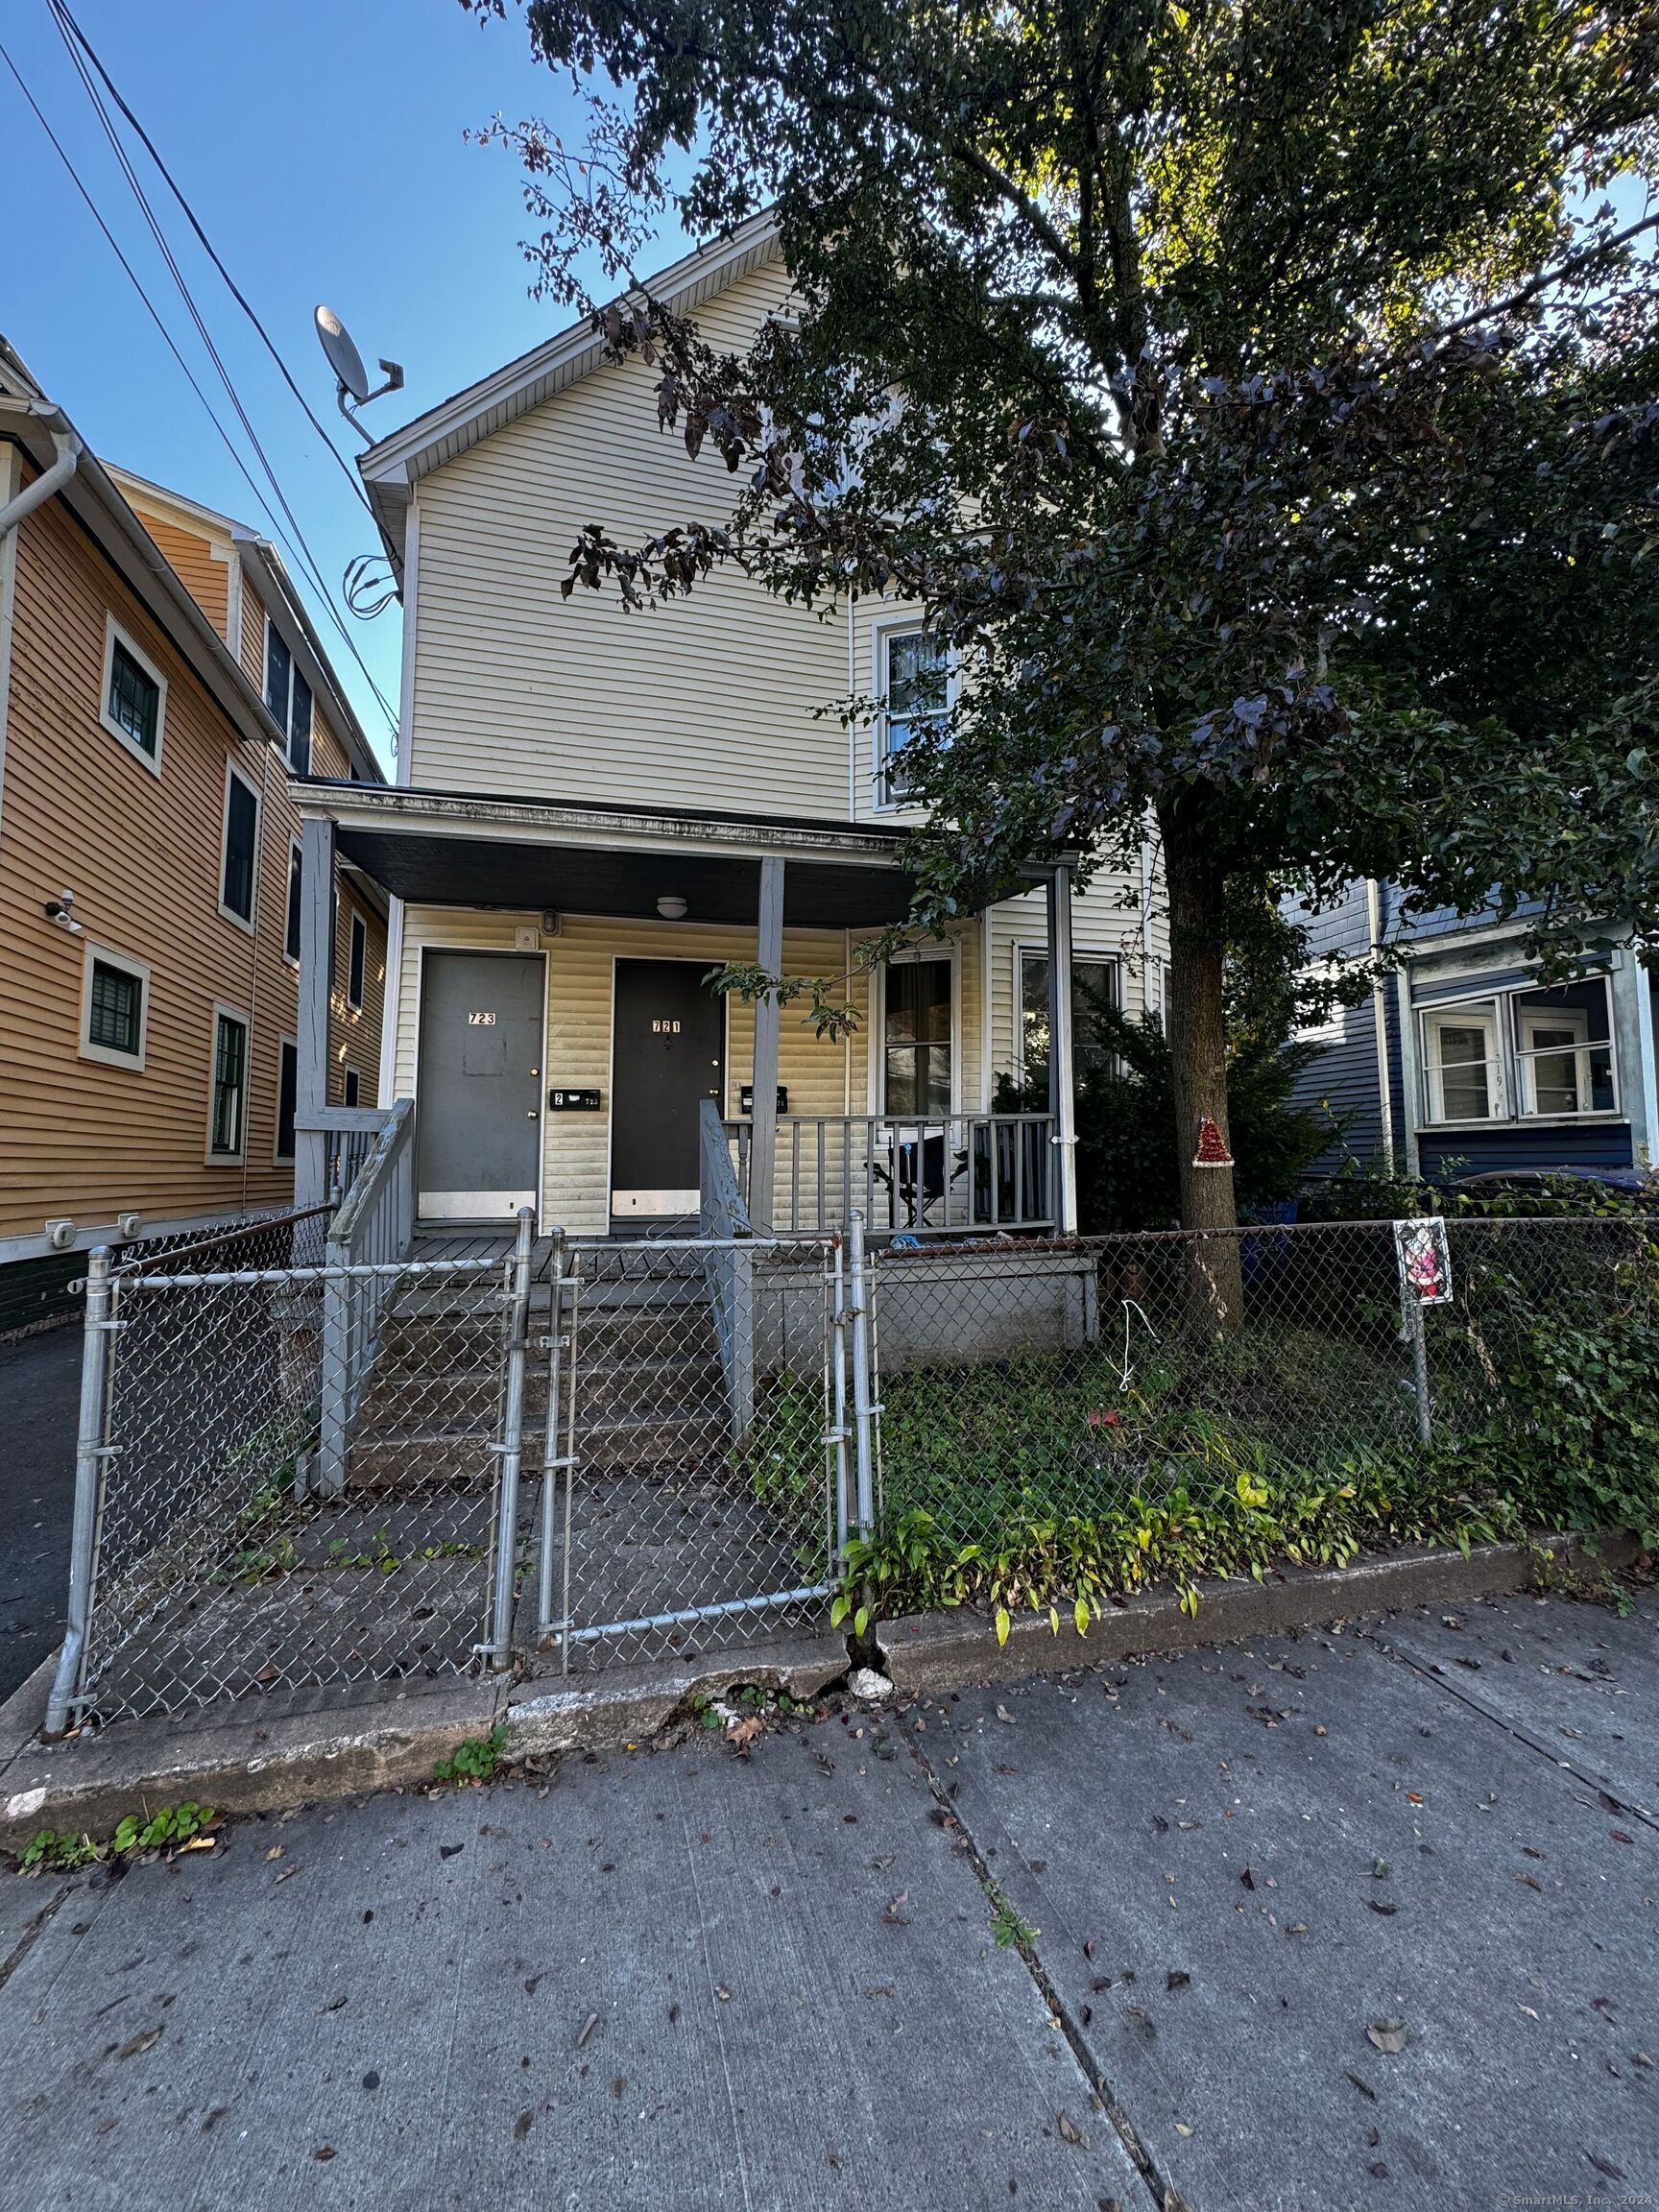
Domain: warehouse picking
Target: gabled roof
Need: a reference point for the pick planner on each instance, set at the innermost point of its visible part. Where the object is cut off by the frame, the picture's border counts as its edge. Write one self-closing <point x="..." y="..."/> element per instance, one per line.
<point x="260" y="559"/>
<point x="392" y="466"/>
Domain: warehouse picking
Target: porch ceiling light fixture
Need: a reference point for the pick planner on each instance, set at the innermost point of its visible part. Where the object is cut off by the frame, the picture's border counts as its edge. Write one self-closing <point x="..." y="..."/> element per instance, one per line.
<point x="671" y="906"/>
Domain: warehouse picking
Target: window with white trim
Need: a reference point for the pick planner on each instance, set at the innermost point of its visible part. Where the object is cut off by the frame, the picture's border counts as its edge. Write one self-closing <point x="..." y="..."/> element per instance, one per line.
<point x="1096" y="986"/>
<point x="915" y="688"/>
<point x="239" y="868"/>
<point x="288" y="696"/>
<point x="228" y="1117"/>
<point x="133" y="705"/>
<point x="916" y="1046"/>
<point x="114" y="1008"/>
<point x="355" y="962"/>
<point x="1521" y="1055"/>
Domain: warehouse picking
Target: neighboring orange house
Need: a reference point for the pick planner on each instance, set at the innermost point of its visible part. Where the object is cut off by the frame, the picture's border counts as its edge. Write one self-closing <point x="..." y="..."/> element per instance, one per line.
<point x="158" y="683"/>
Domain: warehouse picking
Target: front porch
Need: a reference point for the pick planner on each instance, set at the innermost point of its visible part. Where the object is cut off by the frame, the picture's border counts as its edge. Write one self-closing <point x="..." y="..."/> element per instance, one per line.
<point x="553" y="1027"/>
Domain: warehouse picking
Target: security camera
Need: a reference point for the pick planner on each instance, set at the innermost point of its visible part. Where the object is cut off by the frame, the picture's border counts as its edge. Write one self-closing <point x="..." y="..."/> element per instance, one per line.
<point x="61" y="911"/>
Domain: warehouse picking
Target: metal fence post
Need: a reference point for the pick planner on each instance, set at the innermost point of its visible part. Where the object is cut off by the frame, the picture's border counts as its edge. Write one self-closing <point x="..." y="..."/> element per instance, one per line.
<point x="863" y="1408"/>
<point x="336" y="1379"/>
<point x="554" y="1460"/>
<point x="1414" y="1329"/>
<point x="89" y="1455"/>
<point x="512" y="1441"/>
<point x="840" y="1430"/>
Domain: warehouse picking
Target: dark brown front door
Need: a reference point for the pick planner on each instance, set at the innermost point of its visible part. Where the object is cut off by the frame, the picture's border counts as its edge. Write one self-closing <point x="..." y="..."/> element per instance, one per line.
<point x="667" y="1055"/>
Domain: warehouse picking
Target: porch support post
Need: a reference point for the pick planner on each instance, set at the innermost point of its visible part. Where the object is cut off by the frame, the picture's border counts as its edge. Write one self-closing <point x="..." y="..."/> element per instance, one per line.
<point x="316" y="933"/>
<point x="763" y="1112"/>
<point x="1062" y="1102"/>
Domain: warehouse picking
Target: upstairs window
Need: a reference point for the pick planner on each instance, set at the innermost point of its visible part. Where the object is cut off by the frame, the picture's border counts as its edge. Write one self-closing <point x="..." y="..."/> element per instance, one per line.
<point x="135" y="697"/>
<point x="288" y="696"/>
<point x="915" y="700"/>
<point x="240" y="868"/>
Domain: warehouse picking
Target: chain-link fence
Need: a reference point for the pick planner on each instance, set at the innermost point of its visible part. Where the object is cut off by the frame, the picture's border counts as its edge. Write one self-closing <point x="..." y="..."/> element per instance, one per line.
<point x="217" y="1554"/>
<point x="694" y="1488"/>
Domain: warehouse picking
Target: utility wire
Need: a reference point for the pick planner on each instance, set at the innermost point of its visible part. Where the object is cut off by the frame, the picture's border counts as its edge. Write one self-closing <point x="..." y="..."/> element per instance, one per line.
<point x="67" y="21"/>
<point x="188" y="373"/>
<point x="297" y="544"/>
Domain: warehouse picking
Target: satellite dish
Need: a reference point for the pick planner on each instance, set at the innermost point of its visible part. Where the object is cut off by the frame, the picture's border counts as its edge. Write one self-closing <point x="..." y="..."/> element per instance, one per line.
<point x="344" y="357"/>
<point x="350" y="377"/>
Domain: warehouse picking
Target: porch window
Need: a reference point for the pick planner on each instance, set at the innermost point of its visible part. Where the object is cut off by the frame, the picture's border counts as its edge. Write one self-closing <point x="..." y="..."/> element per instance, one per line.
<point x="287" y="1096"/>
<point x="355" y="962"/>
<point x="295" y="886"/>
<point x="229" y="1109"/>
<point x="1096" y="986"/>
<point x="1564" y="1050"/>
<point x="1461" y="1062"/>
<point x="915" y="688"/>
<point x="916" y="1039"/>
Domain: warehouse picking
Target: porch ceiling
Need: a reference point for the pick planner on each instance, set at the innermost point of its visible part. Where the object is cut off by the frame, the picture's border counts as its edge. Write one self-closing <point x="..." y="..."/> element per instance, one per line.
<point x="443" y="870"/>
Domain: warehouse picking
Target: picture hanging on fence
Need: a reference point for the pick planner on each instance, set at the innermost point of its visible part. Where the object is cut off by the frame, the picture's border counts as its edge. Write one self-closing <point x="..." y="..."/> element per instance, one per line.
<point x="1212" y="1149"/>
<point x="1425" y="1261"/>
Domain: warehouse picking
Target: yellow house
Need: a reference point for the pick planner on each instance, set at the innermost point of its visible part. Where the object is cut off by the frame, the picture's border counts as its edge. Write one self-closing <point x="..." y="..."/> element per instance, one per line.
<point x="159" y="684"/>
<point x="594" y="809"/>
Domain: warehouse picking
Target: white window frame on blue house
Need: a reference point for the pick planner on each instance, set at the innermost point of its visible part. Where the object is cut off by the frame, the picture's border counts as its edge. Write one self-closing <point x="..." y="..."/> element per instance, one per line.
<point x="1510" y="1064"/>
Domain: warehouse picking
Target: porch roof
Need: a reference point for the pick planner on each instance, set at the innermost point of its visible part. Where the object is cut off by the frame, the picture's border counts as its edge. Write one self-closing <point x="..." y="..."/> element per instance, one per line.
<point x="461" y="849"/>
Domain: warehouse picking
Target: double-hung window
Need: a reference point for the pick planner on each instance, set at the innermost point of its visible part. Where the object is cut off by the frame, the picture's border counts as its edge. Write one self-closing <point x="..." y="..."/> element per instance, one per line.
<point x="915" y="685"/>
<point x="114" y="1004"/>
<point x="1095" y="988"/>
<point x="1521" y="1055"/>
<point x="916" y="1042"/>
<point x="288" y="696"/>
<point x="133" y="703"/>
<point x="228" y="1117"/>
<point x="239" y="871"/>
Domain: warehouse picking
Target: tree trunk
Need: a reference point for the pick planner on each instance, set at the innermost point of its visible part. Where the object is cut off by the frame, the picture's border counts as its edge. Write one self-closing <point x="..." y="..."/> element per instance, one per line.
<point x="1198" y="1061"/>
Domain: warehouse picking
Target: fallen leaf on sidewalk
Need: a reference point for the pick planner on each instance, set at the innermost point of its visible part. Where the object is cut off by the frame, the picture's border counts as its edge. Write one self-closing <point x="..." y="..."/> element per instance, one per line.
<point x="145" y="2040"/>
<point x="587" y="2027"/>
<point x="1176" y="1980"/>
<point x="274" y="1852"/>
<point x="722" y="1992"/>
<point x="743" y="1733"/>
<point x="1377" y="1904"/>
<point x="1003" y="1714"/>
<point x="286" y="1872"/>
<point x="1606" y="2166"/>
<point x="1389" y="2035"/>
<point x="1070" y="2132"/>
<point x="522" y="2125"/>
<point x="1248" y="1879"/>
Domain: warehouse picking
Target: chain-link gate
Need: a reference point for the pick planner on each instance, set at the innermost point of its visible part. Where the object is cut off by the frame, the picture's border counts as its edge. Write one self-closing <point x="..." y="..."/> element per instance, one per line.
<point x="696" y="1485"/>
<point x="288" y="1476"/>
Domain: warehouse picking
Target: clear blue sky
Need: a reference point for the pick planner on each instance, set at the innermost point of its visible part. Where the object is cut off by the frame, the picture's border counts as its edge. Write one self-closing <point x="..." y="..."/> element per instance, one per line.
<point x="322" y="146"/>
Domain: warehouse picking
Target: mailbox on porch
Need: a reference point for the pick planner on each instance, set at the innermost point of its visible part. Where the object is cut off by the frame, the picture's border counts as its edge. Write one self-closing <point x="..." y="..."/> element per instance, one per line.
<point x="746" y="1098"/>
<point x="573" y="1101"/>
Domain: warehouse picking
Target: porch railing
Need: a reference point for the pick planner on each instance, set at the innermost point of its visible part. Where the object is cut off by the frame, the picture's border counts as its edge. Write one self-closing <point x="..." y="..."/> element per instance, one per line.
<point x="372" y="1229"/>
<point x="930" y="1176"/>
<point x="351" y="1133"/>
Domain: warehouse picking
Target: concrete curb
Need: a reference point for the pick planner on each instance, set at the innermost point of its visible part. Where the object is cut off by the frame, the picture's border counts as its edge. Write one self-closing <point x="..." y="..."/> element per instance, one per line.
<point x="627" y="1704"/>
<point x="250" y="1759"/>
<point x="945" y="1651"/>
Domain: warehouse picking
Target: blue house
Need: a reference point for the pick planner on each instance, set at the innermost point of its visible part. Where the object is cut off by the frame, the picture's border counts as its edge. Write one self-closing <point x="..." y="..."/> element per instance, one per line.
<point x="1462" y="1063"/>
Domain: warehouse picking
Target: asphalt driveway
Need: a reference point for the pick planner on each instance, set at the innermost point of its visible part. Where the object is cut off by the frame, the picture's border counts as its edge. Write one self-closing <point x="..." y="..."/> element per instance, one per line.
<point x="39" y="1400"/>
<point x="688" y="1979"/>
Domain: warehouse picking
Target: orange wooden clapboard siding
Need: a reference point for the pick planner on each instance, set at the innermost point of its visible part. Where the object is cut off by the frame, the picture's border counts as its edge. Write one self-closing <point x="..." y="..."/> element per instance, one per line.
<point x="142" y="853"/>
<point x="204" y="575"/>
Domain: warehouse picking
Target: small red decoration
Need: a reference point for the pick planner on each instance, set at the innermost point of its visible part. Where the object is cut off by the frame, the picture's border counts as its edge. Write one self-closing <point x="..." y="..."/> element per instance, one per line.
<point x="1211" y="1150"/>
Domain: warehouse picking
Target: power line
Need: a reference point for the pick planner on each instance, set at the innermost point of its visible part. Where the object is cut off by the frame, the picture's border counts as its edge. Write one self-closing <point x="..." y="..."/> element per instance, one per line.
<point x="297" y="544"/>
<point x="67" y="20"/>
<point x="188" y="373"/>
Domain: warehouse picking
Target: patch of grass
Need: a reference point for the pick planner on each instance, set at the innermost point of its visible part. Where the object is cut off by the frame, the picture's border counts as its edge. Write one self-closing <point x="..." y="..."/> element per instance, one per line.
<point x="474" y="1761"/>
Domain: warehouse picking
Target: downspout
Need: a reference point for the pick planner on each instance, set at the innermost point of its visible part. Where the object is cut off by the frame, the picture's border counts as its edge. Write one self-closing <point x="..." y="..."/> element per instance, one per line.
<point x="15" y="511"/>
<point x="1380" y="1021"/>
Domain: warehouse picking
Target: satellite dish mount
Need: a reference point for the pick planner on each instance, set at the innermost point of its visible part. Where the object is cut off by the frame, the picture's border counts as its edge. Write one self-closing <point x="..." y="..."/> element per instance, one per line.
<point x="350" y="377"/>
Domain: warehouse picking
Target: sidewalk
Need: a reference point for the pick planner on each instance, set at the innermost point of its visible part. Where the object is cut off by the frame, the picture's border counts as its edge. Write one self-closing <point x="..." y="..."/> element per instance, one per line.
<point x="692" y="1980"/>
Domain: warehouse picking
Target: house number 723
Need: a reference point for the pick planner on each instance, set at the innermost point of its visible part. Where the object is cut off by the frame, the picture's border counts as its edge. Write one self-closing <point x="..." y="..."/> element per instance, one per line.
<point x="478" y="1020"/>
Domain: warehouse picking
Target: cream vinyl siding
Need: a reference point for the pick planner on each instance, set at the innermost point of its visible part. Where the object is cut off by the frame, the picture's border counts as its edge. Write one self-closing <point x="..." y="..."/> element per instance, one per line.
<point x="1100" y="925"/>
<point x="822" y="1078"/>
<point x="708" y="702"/>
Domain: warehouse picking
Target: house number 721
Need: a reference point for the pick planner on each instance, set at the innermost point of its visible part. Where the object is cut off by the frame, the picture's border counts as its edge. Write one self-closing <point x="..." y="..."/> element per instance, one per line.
<point x="664" y="1028"/>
